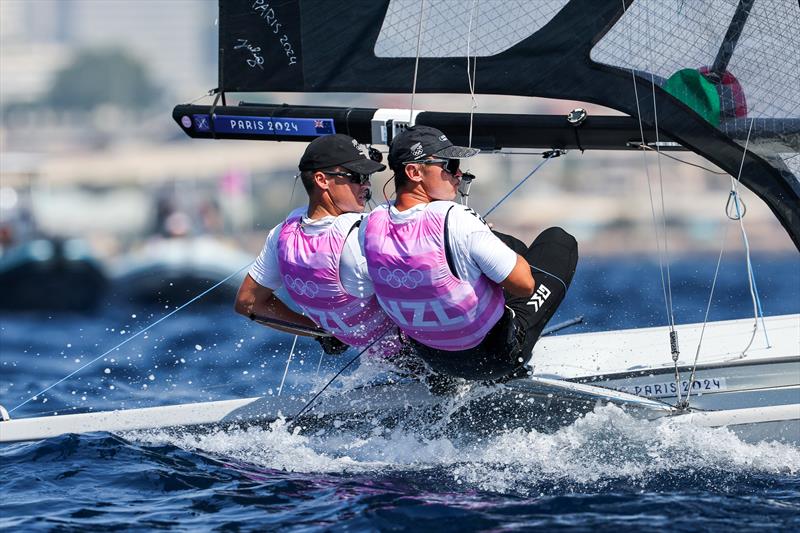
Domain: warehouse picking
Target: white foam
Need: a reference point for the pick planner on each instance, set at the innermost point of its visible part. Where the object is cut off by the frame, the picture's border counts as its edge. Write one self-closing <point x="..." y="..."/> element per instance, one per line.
<point x="607" y="444"/>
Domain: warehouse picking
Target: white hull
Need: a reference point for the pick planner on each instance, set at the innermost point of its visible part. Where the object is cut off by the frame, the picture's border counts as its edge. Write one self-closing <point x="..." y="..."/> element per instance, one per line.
<point x="638" y="361"/>
<point x="757" y="396"/>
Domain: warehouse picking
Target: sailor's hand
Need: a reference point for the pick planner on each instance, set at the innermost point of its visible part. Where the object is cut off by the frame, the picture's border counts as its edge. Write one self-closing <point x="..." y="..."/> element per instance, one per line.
<point x="332" y="345"/>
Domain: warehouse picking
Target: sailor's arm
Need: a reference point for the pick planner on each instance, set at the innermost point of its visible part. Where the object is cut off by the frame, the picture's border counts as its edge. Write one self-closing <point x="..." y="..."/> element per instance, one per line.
<point x="494" y="258"/>
<point x="255" y="297"/>
<point x="520" y="281"/>
<point x="255" y="300"/>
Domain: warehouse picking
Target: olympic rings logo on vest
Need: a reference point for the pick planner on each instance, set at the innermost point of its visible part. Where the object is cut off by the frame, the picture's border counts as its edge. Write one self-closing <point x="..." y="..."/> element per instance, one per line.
<point x="303" y="288"/>
<point x="395" y="278"/>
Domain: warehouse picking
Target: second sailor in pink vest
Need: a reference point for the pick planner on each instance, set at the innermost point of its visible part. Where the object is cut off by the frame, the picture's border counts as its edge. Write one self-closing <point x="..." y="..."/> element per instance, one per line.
<point x="314" y="255"/>
<point x="464" y="294"/>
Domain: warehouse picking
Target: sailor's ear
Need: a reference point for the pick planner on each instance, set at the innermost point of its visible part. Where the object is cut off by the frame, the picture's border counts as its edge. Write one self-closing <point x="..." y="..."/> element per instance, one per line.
<point x="414" y="172"/>
<point x="321" y="180"/>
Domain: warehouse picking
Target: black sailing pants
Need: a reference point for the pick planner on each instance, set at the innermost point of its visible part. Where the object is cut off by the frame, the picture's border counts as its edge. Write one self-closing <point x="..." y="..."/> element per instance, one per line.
<point x="553" y="257"/>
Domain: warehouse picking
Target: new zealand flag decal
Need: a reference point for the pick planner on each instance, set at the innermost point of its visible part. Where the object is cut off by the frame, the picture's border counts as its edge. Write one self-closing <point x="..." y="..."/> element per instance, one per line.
<point x="323" y="127"/>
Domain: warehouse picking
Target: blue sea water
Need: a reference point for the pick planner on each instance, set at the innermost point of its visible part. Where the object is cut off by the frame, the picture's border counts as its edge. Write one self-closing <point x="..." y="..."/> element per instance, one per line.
<point x="605" y="472"/>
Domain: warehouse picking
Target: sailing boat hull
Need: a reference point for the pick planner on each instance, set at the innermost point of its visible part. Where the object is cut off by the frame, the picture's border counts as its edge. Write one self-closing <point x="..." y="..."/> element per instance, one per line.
<point x="638" y="361"/>
<point x="482" y="411"/>
<point x="757" y="397"/>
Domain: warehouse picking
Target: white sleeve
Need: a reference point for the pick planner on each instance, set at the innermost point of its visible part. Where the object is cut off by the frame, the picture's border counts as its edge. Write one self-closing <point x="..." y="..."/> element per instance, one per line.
<point x="265" y="269"/>
<point x="475" y="249"/>
<point x="353" y="267"/>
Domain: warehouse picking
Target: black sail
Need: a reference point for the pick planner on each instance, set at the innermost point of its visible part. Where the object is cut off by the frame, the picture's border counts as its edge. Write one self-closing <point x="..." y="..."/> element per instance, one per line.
<point x="713" y="74"/>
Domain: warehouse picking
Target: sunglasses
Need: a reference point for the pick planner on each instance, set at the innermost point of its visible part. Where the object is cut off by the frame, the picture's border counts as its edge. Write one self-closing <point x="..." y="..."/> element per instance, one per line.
<point x="359" y="179"/>
<point x="449" y="165"/>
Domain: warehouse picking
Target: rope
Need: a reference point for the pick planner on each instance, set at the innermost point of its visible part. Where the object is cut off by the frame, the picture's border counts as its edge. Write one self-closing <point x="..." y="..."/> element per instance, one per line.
<point x="643" y="146"/>
<point x="211" y="92"/>
<point x="152" y="325"/>
<point x="471" y="78"/>
<point x="750" y="274"/>
<point x="663" y="207"/>
<point x="286" y="370"/>
<point x="751" y="277"/>
<point x="466" y="181"/>
<point x="673" y="334"/>
<point x="294" y="186"/>
<point x="705" y="319"/>
<point x="416" y="62"/>
<point x="548" y="157"/>
<point x="319" y="364"/>
<point x="353" y="360"/>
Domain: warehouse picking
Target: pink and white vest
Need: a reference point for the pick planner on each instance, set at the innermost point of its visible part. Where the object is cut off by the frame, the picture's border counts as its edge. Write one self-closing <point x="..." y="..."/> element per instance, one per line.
<point x="414" y="284"/>
<point x="309" y="265"/>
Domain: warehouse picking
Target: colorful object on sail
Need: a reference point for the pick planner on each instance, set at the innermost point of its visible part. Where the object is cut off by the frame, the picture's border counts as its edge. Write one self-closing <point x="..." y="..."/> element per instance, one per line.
<point x="693" y="89"/>
<point x="733" y="103"/>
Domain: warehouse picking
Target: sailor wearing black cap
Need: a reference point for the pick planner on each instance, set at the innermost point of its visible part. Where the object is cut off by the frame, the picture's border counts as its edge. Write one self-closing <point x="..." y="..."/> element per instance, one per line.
<point x="465" y="295"/>
<point x="314" y="257"/>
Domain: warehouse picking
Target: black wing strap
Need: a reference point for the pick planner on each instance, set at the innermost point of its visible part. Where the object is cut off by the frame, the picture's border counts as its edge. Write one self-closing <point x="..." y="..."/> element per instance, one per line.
<point x="447" y="252"/>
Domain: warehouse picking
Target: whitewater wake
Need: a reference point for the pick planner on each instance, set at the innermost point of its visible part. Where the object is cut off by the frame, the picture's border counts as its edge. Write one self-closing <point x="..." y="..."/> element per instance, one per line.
<point x="604" y="446"/>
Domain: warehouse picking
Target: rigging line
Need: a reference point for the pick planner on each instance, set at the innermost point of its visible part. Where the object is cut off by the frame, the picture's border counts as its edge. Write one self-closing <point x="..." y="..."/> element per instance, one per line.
<point x="471" y="78"/>
<point x="751" y="275"/>
<point x="693" y="374"/>
<point x="734" y="194"/>
<point x="353" y="360"/>
<point x="665" y="257"/>
<point x="673" y="335"/>
<point x="663" y="207"/>
<point x="717" y="172"/>
<point x="155" y="116"/>
<point x="666" y="286"/>
<point x="211" y="92"/>
<point x="416" y="62"/>
<point x="518" y="185"/>
<point x="714" y="281"/>
<point x="288" y="360"/>
<point x="466" y="184"/>
<point x="294" y="186"/>
<point x="655" y="223"/>
<point x="649" y="187"/>
<point x="152" y="325"/>
<point x="319" y="365"/>
<point x="132" y="400"/>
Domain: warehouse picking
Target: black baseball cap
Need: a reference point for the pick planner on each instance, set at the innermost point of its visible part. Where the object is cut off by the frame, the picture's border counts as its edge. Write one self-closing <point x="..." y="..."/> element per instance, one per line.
<point x="337" y="150"/>
<point x="418" y="142"/>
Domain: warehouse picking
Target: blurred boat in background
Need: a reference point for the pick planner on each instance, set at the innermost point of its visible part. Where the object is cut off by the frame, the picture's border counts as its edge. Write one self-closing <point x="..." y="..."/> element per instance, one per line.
<point x="52" y="274"/>
<point x="171" y="271"/>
